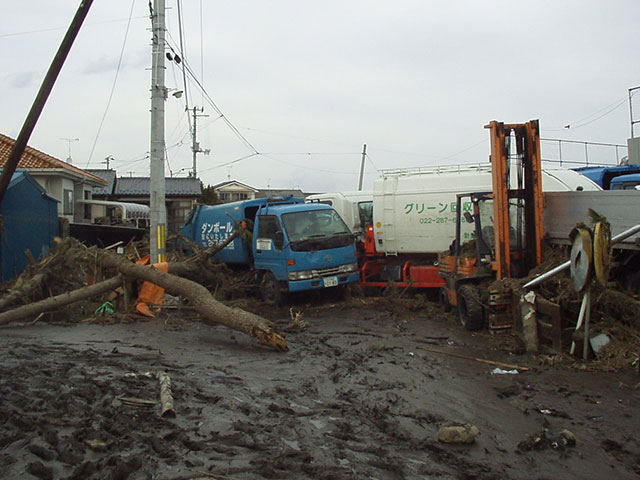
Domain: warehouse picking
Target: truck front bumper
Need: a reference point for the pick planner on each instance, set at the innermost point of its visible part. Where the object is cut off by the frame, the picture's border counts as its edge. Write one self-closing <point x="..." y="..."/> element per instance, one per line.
<point x="323" y="282"/>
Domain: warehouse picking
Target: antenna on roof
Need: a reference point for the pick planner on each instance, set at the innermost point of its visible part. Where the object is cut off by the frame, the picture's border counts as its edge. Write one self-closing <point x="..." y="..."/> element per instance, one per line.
<point x="69" y="141"/>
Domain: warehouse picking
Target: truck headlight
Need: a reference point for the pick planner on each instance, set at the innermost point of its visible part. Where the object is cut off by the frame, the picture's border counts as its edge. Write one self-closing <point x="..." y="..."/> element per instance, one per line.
<point x="301" y="275"/>
<point x="349" y="267"/>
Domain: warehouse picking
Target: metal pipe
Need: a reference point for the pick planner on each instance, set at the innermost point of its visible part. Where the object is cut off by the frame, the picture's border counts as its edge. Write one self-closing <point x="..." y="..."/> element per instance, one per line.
<point x="554" y="271"/>
<point x="581" y="315"/>
<point x="587" y="316"/>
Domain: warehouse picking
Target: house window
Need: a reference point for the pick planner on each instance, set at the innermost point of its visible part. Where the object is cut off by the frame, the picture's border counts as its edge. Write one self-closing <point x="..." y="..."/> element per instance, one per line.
<point x="67" y="202"/>
<point x="240" y="196"/>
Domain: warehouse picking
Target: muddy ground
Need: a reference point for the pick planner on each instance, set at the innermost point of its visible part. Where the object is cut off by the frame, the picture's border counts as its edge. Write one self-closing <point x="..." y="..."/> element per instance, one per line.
<point x="358" y="396"/>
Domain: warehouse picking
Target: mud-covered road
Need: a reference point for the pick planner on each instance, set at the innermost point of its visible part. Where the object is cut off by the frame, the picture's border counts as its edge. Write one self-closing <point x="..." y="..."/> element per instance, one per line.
<point x="358" y="396"/>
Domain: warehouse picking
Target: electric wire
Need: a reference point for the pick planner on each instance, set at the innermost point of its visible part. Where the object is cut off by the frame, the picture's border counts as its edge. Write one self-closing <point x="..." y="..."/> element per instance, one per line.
<point x="618" y="105"/>
<point x="183" y="56"/>
<point x="577" y="124"/>
<point x="201" y="45"/>
<point x="113" y="86"/>
<point x="217" y="109"/>
<point x="53" y="29"/>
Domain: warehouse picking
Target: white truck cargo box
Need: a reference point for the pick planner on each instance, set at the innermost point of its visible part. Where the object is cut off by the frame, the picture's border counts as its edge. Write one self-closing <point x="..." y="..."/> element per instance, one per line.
<point x="355" y="207"/>
<point x="414" y="209"/>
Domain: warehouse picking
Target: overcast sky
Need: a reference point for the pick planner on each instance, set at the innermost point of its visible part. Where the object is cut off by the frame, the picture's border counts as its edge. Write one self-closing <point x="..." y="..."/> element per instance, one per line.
<point x="308" y="83"/>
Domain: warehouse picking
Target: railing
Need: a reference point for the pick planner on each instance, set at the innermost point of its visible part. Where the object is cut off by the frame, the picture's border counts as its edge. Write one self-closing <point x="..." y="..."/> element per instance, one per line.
<point x="594" y="153"/>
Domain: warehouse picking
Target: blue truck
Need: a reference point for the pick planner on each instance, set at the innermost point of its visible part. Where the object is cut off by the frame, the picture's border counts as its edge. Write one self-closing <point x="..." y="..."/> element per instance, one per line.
<point x="293" y="246"/>
<point x="614" y="177"/>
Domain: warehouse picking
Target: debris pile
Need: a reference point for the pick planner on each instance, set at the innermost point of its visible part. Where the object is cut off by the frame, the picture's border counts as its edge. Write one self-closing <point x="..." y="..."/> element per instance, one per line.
<point x="73" y="276"/>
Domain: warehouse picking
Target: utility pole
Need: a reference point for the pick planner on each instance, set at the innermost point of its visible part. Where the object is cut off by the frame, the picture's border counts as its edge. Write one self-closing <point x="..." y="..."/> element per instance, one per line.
<point x="195" y="146"/>
<point x="38" y="104"/>
<point x="364" y="155"/>
<point x="158" y="229"/>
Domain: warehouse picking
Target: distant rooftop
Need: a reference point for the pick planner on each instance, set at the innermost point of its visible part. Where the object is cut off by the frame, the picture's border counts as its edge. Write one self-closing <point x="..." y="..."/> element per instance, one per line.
<point x="109" y="176"/>
<point x="140" y="186"/>
<point x="33" y="159"/>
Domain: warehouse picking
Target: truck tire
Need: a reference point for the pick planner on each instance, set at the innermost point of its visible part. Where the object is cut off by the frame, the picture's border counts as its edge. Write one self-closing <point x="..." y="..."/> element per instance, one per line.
<point x="443" y="297"/>
<point x="469" y="308"/>
<point x="270" y="290"/>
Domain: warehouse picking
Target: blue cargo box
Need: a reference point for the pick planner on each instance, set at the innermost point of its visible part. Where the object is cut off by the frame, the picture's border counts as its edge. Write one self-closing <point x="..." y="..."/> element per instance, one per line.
<point x="604" y="175"/>
<point x="626" y="182"/>
<point x="210" y="225"/>
<point x="30" y="219"/>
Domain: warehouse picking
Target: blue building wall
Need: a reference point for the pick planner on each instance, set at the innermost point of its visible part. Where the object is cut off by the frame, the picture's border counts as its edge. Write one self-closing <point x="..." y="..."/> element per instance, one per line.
<point x="30" y="220"/>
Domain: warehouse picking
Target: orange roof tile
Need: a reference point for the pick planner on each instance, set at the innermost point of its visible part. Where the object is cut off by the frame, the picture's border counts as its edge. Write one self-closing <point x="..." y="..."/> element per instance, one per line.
<point x="32" y="158"/>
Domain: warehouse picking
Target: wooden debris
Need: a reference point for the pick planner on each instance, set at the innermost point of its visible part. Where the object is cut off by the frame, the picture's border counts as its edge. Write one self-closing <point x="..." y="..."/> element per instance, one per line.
<point x="23" y="290"/>
<point x="482" y="360"/>
<point x="212" y="311"/>
<point x="166" y="397"/>
<point x="137" y="402"/>
<point x="58" y="301"/>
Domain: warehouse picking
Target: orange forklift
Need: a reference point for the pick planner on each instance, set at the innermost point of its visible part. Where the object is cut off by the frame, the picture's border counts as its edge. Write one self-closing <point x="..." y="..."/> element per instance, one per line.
<point x="507" y="230"/>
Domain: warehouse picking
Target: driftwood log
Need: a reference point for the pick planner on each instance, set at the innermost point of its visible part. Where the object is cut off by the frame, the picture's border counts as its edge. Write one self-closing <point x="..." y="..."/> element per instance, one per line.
<point x="53" y="303"/>
<point x="166" y="397"/>
<point x="23" y="290"/>
<point x="212" y="311"/>
<point x="198" y="267"/>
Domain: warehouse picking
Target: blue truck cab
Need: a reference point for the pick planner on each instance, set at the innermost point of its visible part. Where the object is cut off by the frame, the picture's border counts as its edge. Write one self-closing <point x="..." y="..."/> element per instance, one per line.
<point x="629" y="181"/>
<point x="294" y="246"/>
<point x="614" y="177"/>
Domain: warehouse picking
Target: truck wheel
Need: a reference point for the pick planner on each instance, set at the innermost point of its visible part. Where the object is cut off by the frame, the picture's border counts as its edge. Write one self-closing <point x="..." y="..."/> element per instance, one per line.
<point x="270" y="290"/>
<point x="469" y="308"/>
<point x="443" y="297"/>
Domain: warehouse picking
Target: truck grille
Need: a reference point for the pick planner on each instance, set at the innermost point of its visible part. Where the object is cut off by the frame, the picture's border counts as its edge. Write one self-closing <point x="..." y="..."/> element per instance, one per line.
<point x="325" y="272"/>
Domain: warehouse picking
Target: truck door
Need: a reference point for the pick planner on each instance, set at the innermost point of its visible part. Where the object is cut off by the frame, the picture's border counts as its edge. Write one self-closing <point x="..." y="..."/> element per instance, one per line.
<point x="268" y="246"/>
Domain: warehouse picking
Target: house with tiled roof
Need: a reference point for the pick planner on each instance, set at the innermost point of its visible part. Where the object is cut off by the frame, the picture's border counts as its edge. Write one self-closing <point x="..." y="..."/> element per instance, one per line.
<point x="280" y="192"/>
<point x="234" y="191"/>
<point x="181" y="194"/>
<point x="66" y="183"/>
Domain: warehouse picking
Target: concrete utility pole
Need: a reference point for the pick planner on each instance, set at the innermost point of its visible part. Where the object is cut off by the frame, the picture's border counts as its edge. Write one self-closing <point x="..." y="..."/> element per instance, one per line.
<point x="195" y="146"/>
<point x="364" y="156"/>
<point x="158" y="230"/>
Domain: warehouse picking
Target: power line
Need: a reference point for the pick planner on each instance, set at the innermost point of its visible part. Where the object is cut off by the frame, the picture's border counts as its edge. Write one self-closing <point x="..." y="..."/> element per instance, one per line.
<point x="217" y="109"/>
<point x="44" y="30"/>
<point x="113" y="86"/>
<point x="577" y="123"/>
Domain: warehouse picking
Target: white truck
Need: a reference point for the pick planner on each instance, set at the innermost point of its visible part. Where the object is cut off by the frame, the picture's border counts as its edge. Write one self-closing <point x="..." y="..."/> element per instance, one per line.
<point x="414" y="209"/>
<point x="413" y="218"/>
<point x="355" y="208"/>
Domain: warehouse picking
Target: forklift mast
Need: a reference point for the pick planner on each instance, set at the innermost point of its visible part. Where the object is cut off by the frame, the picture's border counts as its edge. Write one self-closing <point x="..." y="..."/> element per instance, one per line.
<point x="518" y="209"/>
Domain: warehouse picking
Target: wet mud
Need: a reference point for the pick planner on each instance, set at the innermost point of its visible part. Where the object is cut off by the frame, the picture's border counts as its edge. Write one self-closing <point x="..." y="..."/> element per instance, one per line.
<point x="360" y="395"/>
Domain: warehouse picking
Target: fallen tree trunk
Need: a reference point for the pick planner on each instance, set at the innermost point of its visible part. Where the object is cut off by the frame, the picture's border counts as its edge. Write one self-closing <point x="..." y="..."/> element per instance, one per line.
<point x="198" y="266"/>
<point x="212" y="311"/>
<point x="25" y="290"/>
<point x="58" y="301"/>
<point x="166" y="397"/>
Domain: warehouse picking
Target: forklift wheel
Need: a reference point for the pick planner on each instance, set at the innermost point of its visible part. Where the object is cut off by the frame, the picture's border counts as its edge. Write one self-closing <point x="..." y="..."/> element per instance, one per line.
<point x="469" y="308"/>
<point x="444" y="299"/>
<point x="270" y="290"/>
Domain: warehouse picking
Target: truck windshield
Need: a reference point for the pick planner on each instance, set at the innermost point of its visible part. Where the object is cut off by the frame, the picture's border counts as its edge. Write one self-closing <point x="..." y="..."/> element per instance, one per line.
<point x="314" y="225"/>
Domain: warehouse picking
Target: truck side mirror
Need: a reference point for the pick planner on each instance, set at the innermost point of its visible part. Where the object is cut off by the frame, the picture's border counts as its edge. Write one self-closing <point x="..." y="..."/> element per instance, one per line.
<point x="278" y="240"/>
<point x="468" y="217"/>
